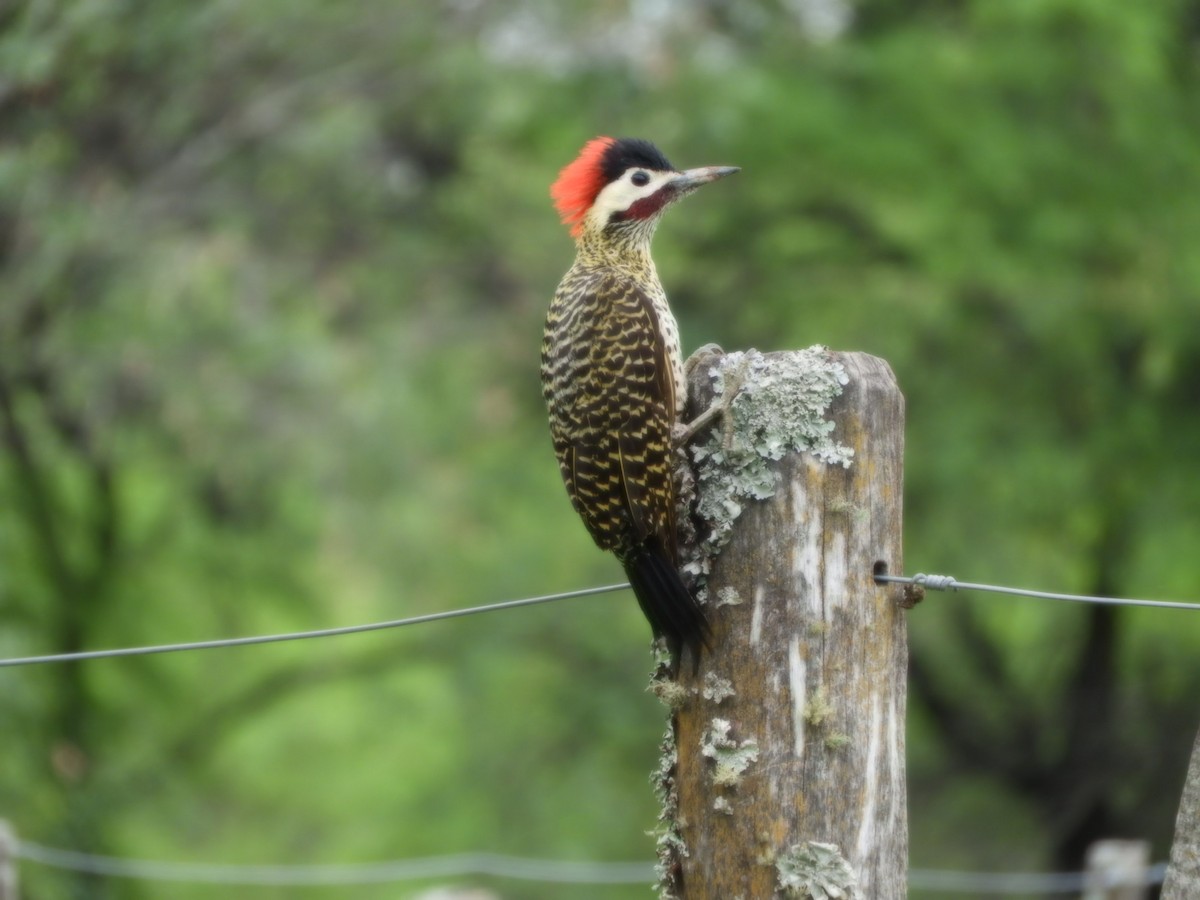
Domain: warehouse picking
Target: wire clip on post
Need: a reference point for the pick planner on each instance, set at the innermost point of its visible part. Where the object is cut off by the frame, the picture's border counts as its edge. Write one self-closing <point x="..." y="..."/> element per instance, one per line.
<point x="950" y="583"/>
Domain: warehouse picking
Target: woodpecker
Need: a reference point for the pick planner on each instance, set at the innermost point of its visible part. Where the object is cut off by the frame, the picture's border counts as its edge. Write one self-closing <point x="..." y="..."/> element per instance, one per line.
<point x="612" y="372"/>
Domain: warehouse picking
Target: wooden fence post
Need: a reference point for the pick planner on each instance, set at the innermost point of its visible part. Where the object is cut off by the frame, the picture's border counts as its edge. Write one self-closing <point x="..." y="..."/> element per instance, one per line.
<point x="8" y="862"/>
<point x="1182" y="881"/>
<point x="1116" y="870"/>
<point x="790" y="740"/>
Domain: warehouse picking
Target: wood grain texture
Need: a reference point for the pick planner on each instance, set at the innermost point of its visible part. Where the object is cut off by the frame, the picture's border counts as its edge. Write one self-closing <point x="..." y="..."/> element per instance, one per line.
<point x="1183" y="871"/>
<point x="816" y="656"/>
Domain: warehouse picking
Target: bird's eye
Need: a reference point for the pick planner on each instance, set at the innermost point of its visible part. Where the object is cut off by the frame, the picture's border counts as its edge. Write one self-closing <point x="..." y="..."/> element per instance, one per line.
<point x="640" y="178"/>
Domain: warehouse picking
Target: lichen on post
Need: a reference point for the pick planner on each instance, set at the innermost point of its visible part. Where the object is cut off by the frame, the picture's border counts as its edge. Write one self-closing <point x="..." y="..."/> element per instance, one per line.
<point x="788" y="774"/>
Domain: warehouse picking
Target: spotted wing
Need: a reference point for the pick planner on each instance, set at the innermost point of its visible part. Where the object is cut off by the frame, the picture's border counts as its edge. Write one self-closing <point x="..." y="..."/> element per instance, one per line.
<point x="609" y="388"/>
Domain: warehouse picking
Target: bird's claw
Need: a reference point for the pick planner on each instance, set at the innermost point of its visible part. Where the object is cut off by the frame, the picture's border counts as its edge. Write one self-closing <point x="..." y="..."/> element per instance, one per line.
<point x="721" y="406"/>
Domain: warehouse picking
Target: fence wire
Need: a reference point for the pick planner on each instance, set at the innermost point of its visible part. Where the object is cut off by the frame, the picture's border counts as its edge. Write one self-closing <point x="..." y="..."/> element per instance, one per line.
<point x="500" y="865"/>
<point x="305" y="635"/>
<point x="496" y="865"/>
<point x="932" y="582"/>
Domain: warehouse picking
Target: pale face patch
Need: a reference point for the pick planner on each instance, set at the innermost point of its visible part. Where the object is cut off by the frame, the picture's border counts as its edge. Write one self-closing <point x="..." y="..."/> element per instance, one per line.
<point x="618" y="196"/>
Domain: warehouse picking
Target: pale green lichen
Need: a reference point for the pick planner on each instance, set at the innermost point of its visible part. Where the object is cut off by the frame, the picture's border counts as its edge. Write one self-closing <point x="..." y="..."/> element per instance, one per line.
<point x="671" y="849"/>
<point x="672" y="694"/>
<point x="857" y="513"/>
<point x="663" y="777"/>
<point x="779" y="409"/>
<point x="837" y="741"/>
<point x="818" y="709"/>
<point x="716" y="688"/>
<point x="669" y="842"/>
<point x="815" y="871"/>
<point x="729" y="596"/>
<point x="662" y="682"/>
<point x="722" y="805"/>
<point x="732" y="757"/>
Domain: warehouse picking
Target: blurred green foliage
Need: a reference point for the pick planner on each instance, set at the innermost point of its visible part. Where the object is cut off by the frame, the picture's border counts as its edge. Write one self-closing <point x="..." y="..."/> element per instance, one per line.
<point x="272" y="278"/>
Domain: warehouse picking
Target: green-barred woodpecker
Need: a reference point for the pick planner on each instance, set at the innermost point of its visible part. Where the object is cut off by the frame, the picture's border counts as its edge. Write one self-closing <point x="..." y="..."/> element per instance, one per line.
<point x="612" y="372"/>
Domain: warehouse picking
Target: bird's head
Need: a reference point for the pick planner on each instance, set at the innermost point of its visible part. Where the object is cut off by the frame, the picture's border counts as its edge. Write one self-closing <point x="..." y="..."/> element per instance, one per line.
<point x="618" y="183"/>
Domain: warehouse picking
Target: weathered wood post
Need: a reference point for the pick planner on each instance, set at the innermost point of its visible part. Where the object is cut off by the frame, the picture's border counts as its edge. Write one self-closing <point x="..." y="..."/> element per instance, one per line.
<point x="790" y="739"/>
<point x="1182" y="881"/>
<point x="1116" y="870"/>
<point x="8" y="862"/>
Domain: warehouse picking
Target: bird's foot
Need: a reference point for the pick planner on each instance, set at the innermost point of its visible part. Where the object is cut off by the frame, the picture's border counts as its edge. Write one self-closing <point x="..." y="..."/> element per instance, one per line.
<point x="721" y="407"/>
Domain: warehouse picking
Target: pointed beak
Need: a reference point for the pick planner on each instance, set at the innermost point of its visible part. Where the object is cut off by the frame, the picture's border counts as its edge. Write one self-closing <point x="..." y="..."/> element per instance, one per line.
<point x="693" y="178"/>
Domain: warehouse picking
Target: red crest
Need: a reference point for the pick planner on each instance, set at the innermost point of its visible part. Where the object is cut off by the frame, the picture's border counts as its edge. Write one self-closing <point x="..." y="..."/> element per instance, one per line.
<point x="578" y="184"/>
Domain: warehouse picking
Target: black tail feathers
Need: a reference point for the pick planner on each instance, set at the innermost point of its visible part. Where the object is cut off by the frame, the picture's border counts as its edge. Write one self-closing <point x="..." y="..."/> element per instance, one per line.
<point x="669" y="606"/>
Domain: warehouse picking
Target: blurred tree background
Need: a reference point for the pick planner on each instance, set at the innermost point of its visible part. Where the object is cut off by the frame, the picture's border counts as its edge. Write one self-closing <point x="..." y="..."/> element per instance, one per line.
<point x="272" y="279"/>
